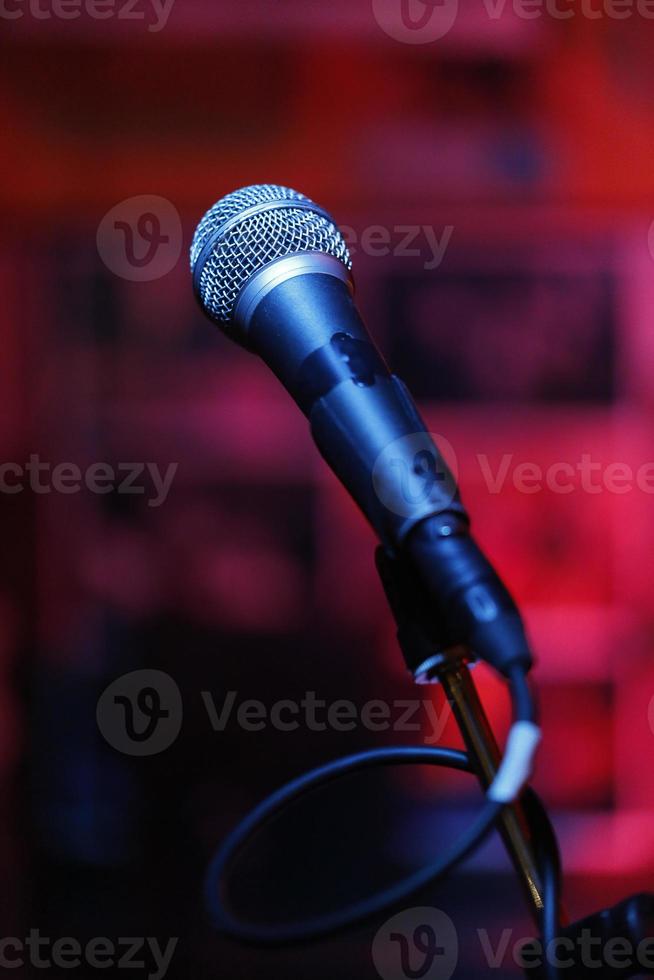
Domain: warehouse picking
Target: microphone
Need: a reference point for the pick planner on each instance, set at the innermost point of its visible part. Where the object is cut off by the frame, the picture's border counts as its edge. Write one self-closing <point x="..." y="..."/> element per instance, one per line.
<point x="271" y="268"/>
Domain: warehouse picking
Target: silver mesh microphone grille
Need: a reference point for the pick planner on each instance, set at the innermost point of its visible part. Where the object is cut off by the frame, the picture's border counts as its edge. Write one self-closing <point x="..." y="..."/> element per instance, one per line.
<point x="276" y="222"/>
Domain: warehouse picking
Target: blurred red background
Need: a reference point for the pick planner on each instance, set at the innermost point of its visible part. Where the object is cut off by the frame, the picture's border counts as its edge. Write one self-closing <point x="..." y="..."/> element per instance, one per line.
<point x="527" y="148"/>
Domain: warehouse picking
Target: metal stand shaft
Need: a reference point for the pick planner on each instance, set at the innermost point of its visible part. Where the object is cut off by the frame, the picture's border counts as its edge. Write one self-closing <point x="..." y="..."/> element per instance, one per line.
<point x="484" y="753"/>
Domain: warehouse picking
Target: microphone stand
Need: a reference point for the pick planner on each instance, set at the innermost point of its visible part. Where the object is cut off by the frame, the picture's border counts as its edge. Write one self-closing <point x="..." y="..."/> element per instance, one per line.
<point x="525" y="828"/>
<point x="417" y="632"/>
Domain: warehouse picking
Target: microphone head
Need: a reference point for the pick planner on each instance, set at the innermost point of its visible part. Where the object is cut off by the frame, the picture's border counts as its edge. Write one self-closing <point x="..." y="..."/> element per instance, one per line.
<point x="246" y="231"/>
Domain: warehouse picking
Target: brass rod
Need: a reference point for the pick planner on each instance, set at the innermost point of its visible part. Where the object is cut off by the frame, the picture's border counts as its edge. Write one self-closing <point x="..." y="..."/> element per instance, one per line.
<point x="485" y="755"/>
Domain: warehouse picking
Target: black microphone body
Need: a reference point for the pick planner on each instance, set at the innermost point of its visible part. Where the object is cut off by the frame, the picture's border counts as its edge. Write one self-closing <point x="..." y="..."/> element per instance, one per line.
<point x="309" y="332"/>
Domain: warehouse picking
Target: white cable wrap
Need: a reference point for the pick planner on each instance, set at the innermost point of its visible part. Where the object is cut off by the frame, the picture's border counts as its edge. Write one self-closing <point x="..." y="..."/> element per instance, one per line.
<point x="517" y="765"/>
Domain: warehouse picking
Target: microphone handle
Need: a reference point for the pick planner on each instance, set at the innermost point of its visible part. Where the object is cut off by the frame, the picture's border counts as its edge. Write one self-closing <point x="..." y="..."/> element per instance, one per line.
<point x="369" y="431"/>
<point x="365" y="424"/>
